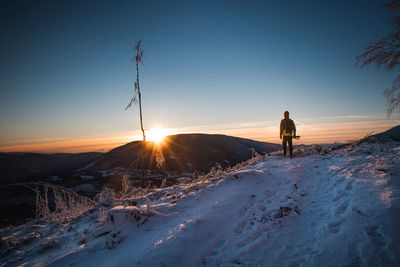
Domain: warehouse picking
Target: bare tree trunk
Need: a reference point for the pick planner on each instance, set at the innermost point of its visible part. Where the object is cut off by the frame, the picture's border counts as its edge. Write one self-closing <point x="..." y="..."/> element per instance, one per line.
<point x="140" y="101"/>
<point x="139" y="54"/>
<point x="138" y="59"/>
<point x="141" y="166"/>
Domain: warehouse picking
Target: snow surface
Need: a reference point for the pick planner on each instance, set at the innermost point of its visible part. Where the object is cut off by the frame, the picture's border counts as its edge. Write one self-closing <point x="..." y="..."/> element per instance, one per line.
<point x="336" y="209"/>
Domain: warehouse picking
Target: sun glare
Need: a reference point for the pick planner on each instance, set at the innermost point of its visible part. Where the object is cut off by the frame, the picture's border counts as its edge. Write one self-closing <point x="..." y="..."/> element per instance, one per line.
<point x="157" y="134"/>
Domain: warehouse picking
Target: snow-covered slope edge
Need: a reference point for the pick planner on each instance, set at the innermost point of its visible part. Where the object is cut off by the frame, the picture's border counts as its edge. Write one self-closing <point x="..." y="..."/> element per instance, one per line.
<point x="340" y="208"/>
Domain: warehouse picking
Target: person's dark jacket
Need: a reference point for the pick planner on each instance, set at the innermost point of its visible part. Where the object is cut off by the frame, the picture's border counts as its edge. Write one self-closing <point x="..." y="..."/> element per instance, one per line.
<point x="288" y="128"/>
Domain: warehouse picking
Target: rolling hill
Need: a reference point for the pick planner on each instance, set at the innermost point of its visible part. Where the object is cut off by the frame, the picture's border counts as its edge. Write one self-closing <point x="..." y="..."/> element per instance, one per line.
<point x="185" y="152"/>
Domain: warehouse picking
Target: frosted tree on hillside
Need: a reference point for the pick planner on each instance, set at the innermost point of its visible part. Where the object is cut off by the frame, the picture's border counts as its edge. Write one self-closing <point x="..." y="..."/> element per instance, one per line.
<point x="138" y="96"/>
<point x="386" y="53"/>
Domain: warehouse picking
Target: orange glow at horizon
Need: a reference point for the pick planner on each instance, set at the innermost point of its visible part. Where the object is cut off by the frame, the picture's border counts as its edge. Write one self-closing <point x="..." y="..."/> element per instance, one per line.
<point x="313" y="133"/>
<point x="79" y="145"/>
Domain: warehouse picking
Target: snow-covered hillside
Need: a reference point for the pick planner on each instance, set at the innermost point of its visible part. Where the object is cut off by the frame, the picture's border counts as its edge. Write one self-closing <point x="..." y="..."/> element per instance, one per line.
<point x="340" y="208"/>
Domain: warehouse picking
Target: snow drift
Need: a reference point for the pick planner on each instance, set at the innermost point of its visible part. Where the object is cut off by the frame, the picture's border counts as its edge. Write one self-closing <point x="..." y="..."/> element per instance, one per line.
<point x="334" y="208"/>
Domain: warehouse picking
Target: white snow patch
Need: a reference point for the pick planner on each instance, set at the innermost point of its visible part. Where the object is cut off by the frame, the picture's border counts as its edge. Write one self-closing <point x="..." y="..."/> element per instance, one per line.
<point x="338" y="209"/>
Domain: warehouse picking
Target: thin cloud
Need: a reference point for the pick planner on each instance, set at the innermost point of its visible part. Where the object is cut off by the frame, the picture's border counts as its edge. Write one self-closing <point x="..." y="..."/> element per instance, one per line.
<point x="321" y="130"/>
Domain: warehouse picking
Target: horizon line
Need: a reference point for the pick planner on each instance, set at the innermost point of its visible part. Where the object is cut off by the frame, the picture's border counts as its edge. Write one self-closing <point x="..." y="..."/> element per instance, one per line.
<point x="315" y="133"/>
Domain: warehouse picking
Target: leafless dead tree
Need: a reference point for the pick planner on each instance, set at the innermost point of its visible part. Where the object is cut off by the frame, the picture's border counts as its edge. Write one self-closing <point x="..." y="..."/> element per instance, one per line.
<point x="385" y="53"/>
<point x="138" y="96"/>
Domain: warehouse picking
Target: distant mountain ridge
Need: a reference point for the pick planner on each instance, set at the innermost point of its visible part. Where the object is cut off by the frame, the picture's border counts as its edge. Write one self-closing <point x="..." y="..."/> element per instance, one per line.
<point x="391" y="134"/>
<point x="186" y="152"/>
<point x="182" y="152"/>
<point x="30" y="165"/>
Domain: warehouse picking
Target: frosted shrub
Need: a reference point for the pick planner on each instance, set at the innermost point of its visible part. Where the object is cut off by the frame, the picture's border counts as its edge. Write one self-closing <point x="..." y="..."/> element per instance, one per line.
<point x="255" y="157"/>
<point x="160" y="160"/>
<point x="103" y="215"/>
<point x="163" y="183"/>
<point x="48" y="243"/>
<point x="126" y="184"/>
<point x="301" y="151"/>
<point x="66" y="204"/>
<point x="106" y="196"/>
<point x="215" y="172"/>
<point x="194" y="182"/>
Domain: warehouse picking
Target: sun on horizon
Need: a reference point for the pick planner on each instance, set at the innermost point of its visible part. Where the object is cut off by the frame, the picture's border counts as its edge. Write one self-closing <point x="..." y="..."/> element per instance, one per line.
<point x="157" y="134"/>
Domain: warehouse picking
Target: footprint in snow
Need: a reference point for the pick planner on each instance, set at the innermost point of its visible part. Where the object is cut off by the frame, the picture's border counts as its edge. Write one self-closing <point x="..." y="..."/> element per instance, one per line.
<point x="240" y="227"/>
<point x="335" y="226"/>
<point x="250" y="203"/>
<point x="375" y="236"/>
<point x="261" y="207"/>
<point x="349" y="185"/>
<point x="217" y="244"/>
<point x="340" y="180"/>
<point x="269" y="193"/>
<point x="209" y="256"/>
<point x="360" y="211"/>
<point x="252" y="236"/>
<point x="340" y="194"/>
<point x="342" y="208"/>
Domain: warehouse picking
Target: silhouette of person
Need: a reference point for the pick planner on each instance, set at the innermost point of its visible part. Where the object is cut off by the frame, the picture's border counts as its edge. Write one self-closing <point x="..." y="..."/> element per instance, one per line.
<point x="288" y="131"/>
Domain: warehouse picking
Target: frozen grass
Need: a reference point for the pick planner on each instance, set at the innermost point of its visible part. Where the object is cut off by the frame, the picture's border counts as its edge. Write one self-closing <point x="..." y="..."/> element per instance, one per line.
<point x="67" y="203"/>
<point x="60" y="204"/>
<point x="57" y="203"/>
<point x="137" y="196"/>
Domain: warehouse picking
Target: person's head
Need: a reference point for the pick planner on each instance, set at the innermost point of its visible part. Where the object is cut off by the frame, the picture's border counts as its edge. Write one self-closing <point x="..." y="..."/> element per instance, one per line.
<point x="286" y="115"/>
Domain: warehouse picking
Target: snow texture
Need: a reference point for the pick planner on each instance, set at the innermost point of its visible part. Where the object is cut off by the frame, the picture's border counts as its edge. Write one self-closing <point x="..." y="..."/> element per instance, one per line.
<point x="339" y="208"/>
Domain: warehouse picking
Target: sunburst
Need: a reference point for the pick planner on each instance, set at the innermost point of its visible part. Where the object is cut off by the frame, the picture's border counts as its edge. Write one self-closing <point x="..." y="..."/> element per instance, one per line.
<point x="157" y="134"/>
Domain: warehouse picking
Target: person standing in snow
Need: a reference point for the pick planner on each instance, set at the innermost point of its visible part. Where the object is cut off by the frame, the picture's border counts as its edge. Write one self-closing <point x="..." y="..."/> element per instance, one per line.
<point x="288" y="131"/>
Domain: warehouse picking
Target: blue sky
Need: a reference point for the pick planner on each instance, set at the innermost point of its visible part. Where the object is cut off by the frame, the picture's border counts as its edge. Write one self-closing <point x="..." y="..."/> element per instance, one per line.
<point x="66" y="69"/>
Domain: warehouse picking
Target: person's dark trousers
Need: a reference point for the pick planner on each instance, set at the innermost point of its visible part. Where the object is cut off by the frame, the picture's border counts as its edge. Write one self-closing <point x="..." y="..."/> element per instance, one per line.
<point x="285" y="140"/>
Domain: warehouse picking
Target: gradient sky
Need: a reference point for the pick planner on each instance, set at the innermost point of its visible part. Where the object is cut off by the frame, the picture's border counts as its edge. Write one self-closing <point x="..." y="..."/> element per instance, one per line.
<point x="229" y="67"/>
